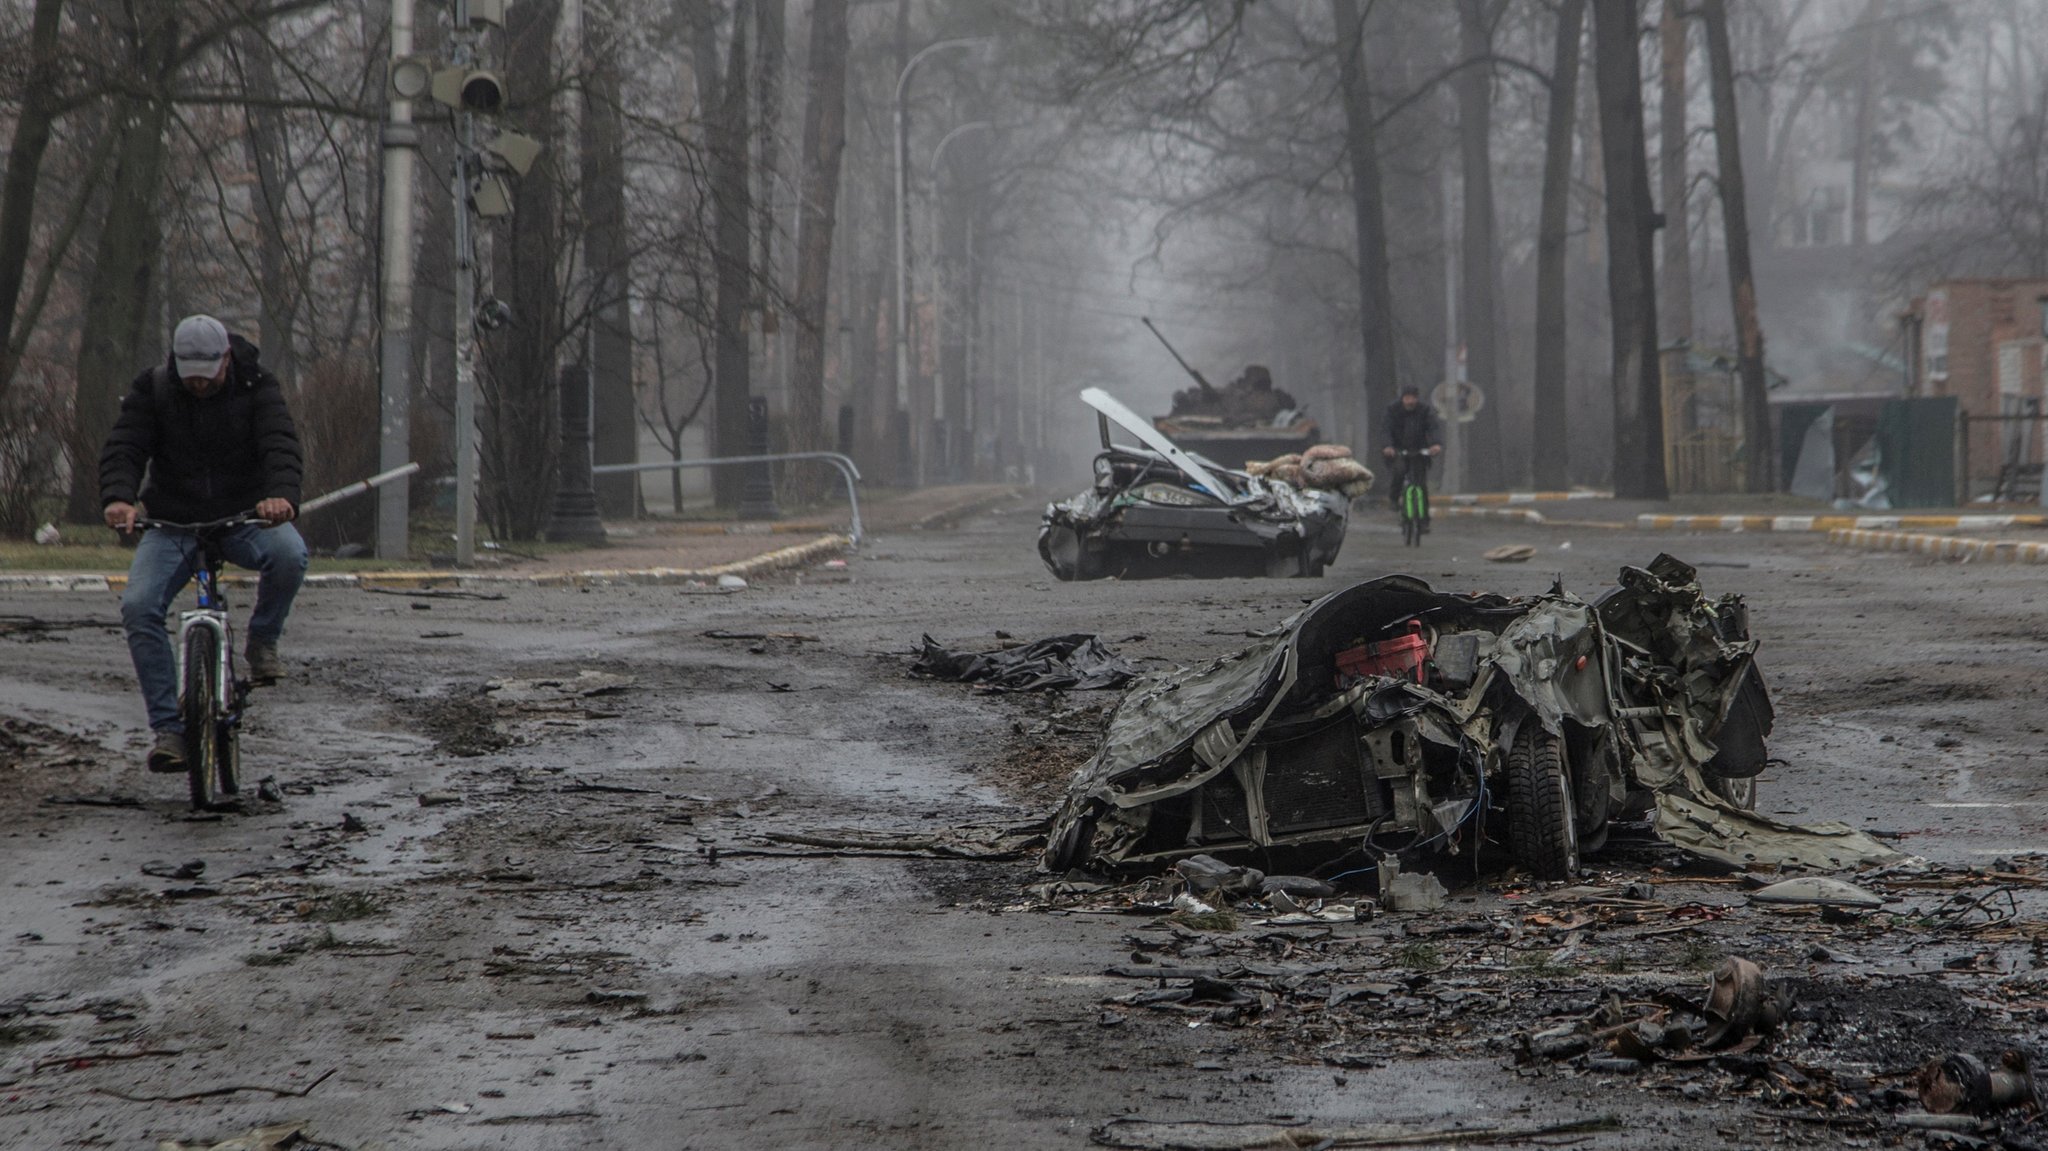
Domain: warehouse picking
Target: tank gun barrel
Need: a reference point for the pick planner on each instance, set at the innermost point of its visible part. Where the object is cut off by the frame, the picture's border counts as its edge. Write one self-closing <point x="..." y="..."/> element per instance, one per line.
<point x="1207" y="389"/>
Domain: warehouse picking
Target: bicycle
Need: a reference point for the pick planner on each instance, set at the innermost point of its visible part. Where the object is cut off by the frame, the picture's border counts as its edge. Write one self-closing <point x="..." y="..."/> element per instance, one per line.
<point x="1413" y="500"/>
<point x="210" y="695"/>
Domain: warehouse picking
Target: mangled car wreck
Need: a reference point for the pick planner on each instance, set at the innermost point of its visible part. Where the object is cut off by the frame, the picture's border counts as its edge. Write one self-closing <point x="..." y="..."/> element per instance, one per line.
<point x="1157" y="510"/>
<point x="1391" y="717"/>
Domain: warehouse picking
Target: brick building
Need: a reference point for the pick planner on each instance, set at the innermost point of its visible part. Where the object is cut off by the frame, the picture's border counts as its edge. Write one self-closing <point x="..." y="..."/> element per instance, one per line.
<point x="1980" y="341"/>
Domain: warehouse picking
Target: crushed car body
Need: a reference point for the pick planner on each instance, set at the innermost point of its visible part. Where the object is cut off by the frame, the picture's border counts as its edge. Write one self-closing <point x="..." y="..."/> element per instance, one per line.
<point x="1157" y="510"/>
<point x="1395" y="717"/>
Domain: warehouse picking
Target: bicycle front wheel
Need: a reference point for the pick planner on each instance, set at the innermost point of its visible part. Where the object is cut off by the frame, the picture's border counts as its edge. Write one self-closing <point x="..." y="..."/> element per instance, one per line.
<point x="201" y="707"/>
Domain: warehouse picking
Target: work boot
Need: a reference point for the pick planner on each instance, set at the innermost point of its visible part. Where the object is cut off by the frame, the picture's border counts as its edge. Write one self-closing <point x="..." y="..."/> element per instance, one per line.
<point x="264" y="666"/>
<point x="167" y="752"/>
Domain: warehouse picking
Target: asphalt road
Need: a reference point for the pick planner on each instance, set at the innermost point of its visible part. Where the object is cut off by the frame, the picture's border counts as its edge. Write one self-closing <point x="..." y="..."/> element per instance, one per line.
<point x="597" y="944"/>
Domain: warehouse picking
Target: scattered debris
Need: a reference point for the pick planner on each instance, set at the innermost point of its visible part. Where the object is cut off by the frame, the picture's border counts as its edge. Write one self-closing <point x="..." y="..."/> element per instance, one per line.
<point x="1210" y="1135"/>
<point x="439" y="798"/>
<point x="1817" y="891"/>
<point x="106" y="800"/>
<point x="1739" y="1003"/>
<point x="190" y="869"/>
<point x="274" y="1137"/>
<point x="732" y="583"/>
<point x="1963" y="1082"/>
<point x="1509" y="554"/>
<point x="48" y="534"/>
<point x="1077" y="662"/>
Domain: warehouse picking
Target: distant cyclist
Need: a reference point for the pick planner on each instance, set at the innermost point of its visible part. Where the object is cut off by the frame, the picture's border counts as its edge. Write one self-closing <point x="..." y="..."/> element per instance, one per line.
<point x="1411" y="426"/>
<point x="210" y="431"/>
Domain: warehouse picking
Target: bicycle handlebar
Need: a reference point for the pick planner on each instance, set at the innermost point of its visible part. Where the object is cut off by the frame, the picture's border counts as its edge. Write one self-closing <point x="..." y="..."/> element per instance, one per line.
<point x="233" y="521"/>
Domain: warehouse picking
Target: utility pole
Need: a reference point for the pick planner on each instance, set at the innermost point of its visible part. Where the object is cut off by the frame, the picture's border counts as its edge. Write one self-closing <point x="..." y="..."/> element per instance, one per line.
<point x="394" y="425"/>
<point x="467" y="455"/>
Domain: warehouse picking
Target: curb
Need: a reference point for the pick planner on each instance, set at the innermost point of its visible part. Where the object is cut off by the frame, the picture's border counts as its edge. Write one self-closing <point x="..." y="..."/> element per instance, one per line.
<point x="1526" y="497"/>
<point x="1650" y="522"/>
<point x="1526" y="515"/>
<point x="945" y="517"/>
<point x="1943" y="547"/>
<point x="780" y="559"/>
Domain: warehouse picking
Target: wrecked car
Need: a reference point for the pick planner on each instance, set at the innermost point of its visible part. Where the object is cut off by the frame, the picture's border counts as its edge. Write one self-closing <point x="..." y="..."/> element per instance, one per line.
<point x="1155" y="509"/>
<point x="1390" y="717"/>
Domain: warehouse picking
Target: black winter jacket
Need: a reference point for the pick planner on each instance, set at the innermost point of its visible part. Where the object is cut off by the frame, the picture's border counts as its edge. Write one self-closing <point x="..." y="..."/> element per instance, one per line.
<point x="1412" y="431"/>
<point x="191" y="460"/>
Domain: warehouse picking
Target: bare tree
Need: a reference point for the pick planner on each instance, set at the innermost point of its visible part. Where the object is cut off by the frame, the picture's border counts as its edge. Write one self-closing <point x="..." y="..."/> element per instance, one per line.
<point x="118" y="298"/>
<point x="1749" y="335"/>
<point x="32" y="130"/>
<point x="1551" y="451"/>
<point x="1368" y="206"/>
<point x="1479" y="249"/>
<point x="1675" y="289"/>
<point x="605" y="251"/>
<point x="824" y="143"/>
<point x="1631" y="267"/>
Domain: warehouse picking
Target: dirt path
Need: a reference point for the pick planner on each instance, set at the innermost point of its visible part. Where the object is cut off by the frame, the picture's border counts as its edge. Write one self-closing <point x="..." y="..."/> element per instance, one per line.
<point x="598" y="945"/>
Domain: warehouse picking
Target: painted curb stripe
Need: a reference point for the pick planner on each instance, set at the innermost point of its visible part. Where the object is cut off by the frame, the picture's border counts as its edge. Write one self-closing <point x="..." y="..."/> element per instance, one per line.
<point x="1944" y="547"/>
<point x="1649" y="522"/>
<point x="1468" y="498"/>
<point x="1526" y="515"/>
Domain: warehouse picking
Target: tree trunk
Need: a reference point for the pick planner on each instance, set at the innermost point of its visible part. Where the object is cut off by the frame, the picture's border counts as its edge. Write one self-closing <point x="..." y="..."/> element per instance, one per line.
<point x="115" y="325"/>
<point x="267" y="155"/>
<point x="1675" y="290"/>
<point x="1749" y="336"/>
<point x="1631" y="266"/>
<point x="1368" y="208"/>
<point x="1551" y="452"/>
<point x="732" y="255"/>
<point x="520" y="417"/>
<point x="614" y="429"/>
<point x="824" y="144"/>
<point x="1479" y="263"/>
<point x="770" y="24"/>
<point x="24" y="166"/>
<point x="1866" y="123"/>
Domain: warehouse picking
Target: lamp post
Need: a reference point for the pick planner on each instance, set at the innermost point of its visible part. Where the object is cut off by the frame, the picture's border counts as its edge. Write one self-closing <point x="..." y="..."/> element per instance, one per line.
<point x="902" y="282"/>
<point x="939" y="412"/>
<point x="401" y="138"/>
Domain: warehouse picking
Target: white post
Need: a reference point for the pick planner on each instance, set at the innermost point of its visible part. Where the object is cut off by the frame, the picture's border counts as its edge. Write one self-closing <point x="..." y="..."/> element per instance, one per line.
<point x="394" y="431"/>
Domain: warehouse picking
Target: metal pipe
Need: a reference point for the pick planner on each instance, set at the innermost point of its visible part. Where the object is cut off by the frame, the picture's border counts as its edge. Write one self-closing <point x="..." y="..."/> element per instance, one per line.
<point x="394" y="430"/>
<point x="848" y="470"/>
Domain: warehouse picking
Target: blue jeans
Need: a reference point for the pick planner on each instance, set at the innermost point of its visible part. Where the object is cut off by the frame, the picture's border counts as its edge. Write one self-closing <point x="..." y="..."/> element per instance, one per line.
<point x="165" y="561"/>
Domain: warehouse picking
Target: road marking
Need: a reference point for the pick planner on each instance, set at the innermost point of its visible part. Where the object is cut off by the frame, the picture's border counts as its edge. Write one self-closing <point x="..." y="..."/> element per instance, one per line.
<point x="2009" y="803"/>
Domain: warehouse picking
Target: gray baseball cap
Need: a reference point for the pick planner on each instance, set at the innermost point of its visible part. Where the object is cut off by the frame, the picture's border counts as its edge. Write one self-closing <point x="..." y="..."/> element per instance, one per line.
<point x="199" y="346"/>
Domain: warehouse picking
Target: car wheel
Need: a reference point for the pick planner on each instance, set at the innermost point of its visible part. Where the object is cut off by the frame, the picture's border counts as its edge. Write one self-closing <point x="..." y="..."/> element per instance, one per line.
<point x="1069" y="848"/>
<point x="1541" y="830"/>
<point x="1068" y="556"/>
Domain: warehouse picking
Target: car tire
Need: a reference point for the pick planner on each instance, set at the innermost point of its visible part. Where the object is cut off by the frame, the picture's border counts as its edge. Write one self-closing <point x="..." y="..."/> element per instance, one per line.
<point x="1069" y="849"/>
<point x="1542" y="832"/>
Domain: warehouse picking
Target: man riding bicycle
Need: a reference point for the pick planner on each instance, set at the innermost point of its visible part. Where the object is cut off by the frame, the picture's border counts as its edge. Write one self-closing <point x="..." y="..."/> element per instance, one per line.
<point x="1412" y="427"/>
<point x="202" y="437"/>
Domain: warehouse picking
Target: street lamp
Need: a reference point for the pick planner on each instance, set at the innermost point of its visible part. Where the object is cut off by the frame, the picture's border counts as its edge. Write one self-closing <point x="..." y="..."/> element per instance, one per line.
<point x="902" y="284"/>
<point x="939" y="413"/>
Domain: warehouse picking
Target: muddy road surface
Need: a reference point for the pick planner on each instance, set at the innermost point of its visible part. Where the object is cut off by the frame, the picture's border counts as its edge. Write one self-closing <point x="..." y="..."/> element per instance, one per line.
<point x="657" y="867"/>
